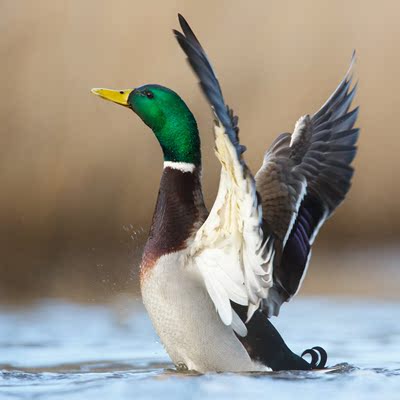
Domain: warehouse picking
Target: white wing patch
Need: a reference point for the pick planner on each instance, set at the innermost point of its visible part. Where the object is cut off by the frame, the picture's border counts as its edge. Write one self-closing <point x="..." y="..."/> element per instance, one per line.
<point x="228" y="249"/>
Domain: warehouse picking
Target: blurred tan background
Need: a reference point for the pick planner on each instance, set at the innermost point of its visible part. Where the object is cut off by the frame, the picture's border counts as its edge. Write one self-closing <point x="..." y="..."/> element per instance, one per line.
<point x="79" y="176"/>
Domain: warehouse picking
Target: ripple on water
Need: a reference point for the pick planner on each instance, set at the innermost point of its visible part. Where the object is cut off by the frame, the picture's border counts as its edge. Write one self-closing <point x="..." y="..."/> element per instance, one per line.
<point x="65" y="351"/>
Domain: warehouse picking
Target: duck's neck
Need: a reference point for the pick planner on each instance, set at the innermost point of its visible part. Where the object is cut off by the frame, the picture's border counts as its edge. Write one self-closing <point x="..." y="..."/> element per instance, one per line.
<point x="179" y="211"/>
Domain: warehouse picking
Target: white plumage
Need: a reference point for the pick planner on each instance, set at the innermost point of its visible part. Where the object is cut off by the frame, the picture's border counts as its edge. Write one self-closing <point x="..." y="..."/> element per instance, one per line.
<point x="184" y="317"/>
<point x="228" y="249"/>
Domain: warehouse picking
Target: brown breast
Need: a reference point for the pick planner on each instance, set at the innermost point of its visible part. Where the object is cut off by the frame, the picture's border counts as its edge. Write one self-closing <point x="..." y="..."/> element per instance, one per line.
<point x="179" y="212"/>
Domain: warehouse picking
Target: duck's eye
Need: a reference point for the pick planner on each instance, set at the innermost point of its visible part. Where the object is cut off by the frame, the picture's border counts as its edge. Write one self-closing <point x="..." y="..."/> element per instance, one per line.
<point x="149" y="94"/>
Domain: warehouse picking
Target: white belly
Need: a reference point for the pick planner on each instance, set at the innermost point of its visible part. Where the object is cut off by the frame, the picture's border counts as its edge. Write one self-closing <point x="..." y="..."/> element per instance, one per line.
<point x="186" y="321"/>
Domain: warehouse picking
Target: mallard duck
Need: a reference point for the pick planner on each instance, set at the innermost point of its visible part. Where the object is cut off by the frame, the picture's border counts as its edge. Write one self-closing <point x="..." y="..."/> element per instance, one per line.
<point x="211" y="281"/>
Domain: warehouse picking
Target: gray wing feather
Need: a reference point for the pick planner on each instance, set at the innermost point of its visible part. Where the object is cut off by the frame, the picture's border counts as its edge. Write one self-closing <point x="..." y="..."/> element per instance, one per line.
<point x="303" y="179"/>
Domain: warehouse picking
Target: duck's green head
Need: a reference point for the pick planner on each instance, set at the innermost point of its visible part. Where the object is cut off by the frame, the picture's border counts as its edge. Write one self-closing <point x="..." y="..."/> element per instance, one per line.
<point x="166" y="114"/>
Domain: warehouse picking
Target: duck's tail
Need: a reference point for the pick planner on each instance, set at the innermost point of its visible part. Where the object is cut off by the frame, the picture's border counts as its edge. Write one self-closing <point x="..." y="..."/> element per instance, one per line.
<point x="319" y="357"/>
<point x="265" y="345"/>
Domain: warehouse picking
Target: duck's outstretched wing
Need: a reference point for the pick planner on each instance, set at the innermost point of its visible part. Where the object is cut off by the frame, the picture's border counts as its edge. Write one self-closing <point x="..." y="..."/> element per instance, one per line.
<point x="230" y="250"/>
<point x="304" y="177"/>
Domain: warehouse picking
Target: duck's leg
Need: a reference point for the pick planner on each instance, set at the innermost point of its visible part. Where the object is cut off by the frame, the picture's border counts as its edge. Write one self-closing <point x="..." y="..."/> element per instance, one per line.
<point x="265" y="345"/>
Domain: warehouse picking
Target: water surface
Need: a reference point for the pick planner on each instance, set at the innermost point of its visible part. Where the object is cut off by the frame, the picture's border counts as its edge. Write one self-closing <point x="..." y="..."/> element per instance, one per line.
<point x="58" y="350"/>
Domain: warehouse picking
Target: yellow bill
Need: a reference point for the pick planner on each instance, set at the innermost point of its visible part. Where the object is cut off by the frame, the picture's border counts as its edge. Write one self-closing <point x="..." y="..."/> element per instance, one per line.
<point x="116" y="96"/>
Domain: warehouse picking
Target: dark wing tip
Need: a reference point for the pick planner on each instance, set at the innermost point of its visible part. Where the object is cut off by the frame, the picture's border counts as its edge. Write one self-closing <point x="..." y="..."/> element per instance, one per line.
<point x="202" y="67"/>
<point x="183" y="23"/>
<point x="178" y="35"/>
<point x="182" y="20"/>
<point x="353" y="61"/>
<point x="354" y="56"/>
<point x="187" y="30"/>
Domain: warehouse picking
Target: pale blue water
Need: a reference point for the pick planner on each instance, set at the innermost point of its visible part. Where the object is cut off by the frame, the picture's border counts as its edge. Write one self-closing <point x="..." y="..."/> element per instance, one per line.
<point x="56" y="350"/>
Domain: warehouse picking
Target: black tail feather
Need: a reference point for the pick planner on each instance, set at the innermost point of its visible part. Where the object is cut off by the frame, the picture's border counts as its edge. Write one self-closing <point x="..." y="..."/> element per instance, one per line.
<point x="265" y="345"/>
<point x="318" y="355"/>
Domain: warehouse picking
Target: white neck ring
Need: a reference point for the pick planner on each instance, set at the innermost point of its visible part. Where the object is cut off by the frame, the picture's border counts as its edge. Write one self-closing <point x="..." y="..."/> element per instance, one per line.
<point x="180" y="166"/>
